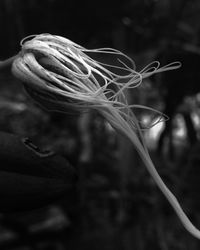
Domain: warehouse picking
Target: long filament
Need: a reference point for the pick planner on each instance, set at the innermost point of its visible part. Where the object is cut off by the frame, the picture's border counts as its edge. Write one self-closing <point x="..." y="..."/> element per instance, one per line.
<point x="121" y="125"/>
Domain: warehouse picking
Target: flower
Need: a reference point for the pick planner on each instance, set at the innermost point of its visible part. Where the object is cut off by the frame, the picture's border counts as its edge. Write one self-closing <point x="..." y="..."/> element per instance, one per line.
<point x="63" y="75"/>
<point x="61" y="72"/>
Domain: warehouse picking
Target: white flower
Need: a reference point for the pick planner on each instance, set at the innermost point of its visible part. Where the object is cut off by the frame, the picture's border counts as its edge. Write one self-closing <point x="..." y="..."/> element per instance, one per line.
<point x="63" y="75"/>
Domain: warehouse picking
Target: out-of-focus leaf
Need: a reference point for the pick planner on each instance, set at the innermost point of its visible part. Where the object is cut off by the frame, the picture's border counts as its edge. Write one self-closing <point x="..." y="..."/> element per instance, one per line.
<point x="30" y="178"/>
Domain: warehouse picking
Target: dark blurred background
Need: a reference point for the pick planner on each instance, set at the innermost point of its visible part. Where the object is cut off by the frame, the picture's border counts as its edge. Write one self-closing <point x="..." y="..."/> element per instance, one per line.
<point x="118" y="206"/>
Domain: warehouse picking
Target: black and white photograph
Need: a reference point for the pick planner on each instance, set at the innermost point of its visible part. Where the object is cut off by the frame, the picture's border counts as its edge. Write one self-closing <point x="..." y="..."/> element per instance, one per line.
<point x="100" y="125"/>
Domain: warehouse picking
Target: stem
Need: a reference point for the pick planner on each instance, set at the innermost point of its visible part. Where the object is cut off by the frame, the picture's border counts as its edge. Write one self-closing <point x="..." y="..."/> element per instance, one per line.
<point x="7" y="63"/>
<point x="120" y="124"/>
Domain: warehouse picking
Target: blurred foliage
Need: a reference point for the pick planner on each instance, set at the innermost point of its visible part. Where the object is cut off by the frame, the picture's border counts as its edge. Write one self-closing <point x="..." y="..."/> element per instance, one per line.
<point x="119" y="206"/>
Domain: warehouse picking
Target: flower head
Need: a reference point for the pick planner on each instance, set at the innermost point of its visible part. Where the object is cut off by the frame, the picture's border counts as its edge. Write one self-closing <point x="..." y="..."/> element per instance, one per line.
<point x="59" y="71"/>
<point x="61" y="74"/>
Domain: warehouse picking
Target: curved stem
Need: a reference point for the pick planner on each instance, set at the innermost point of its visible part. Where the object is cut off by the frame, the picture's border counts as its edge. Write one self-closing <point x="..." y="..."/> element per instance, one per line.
<point x="7" y="63"/>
